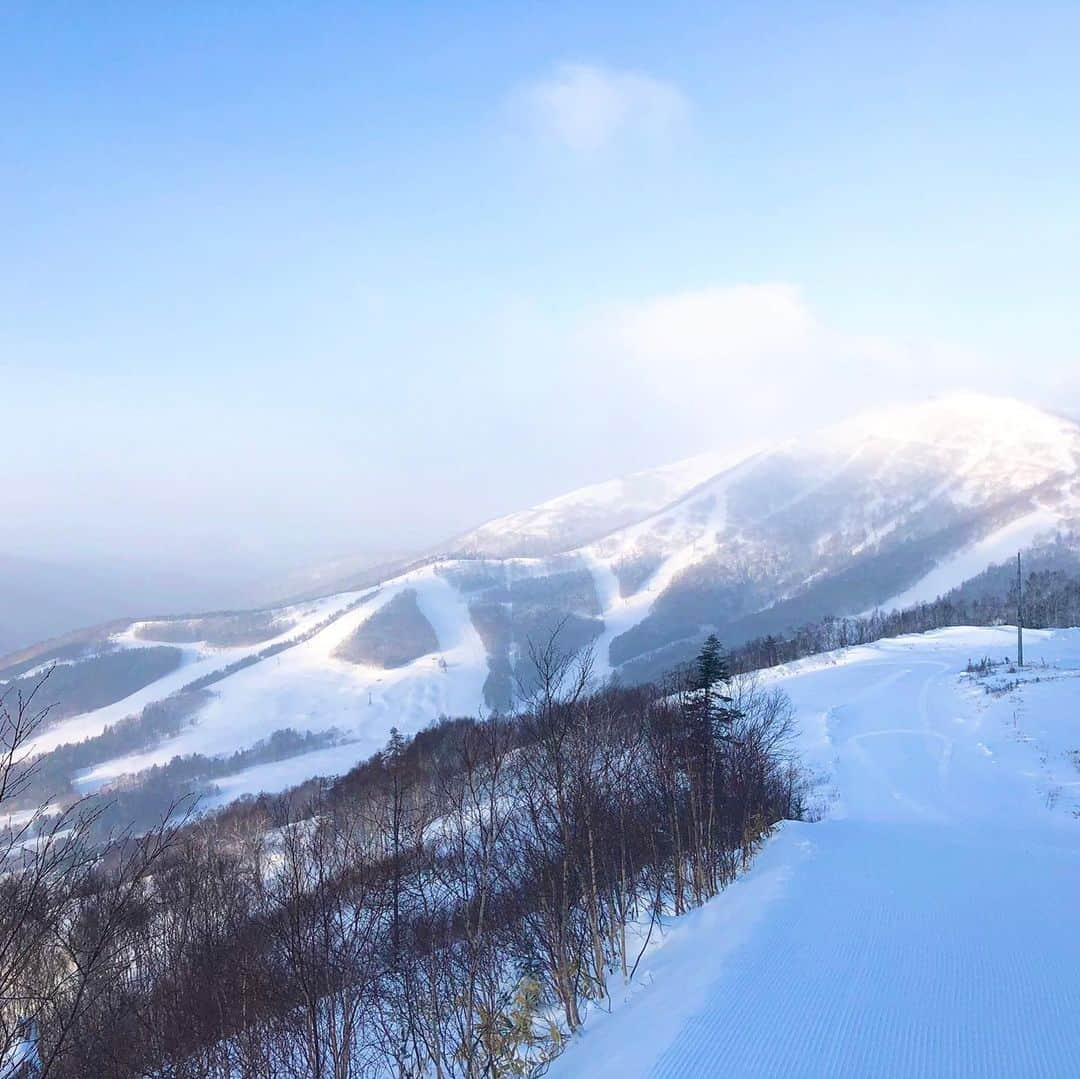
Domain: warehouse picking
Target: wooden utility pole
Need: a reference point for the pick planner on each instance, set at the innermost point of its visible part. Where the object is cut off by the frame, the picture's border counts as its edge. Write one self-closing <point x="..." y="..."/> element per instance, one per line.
<point x="1019" y="614"/>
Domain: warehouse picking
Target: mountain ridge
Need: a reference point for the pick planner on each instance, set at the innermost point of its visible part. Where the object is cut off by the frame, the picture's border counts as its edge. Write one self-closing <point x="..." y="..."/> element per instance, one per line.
<point x="836" y="523"/>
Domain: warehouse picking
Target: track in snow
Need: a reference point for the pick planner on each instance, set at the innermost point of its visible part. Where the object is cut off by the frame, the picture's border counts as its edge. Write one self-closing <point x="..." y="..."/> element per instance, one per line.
<point x="929" y="927"/>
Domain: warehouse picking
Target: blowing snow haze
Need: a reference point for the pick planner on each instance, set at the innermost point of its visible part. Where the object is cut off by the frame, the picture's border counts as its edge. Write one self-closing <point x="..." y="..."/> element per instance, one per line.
<point x="525" y="518"/>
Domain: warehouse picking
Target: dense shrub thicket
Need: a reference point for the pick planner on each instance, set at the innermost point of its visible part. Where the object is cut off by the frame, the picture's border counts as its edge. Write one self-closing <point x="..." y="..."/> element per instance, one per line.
<point x="446" y="909"/>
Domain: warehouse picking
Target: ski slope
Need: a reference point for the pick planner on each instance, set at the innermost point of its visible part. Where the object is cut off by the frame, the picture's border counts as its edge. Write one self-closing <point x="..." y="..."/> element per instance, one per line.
<point x="928" y="926"/>
<point x="591" y="512"/>
<point x="1000" y="546"/>
<point x="307" y="687"/>
<point x="916" y="499"/>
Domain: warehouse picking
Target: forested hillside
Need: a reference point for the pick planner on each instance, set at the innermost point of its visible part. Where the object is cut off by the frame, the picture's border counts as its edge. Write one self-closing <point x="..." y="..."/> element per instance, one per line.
<point x="449" y="907"/>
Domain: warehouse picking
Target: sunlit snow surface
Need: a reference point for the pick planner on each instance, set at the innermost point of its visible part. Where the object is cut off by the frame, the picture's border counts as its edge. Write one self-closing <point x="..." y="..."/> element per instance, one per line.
<point x="307" y="688"/>
<point x="589" y="512"/>
<point x="928" y="926"/>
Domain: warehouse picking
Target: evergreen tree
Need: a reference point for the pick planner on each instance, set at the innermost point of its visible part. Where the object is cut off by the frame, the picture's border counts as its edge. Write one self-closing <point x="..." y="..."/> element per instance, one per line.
<point x="710" y="667"/>
<point x="710" y="681"/>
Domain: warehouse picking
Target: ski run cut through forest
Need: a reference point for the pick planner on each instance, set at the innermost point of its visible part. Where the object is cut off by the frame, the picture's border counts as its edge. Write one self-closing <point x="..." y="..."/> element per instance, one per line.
<point x="928" y="925"/>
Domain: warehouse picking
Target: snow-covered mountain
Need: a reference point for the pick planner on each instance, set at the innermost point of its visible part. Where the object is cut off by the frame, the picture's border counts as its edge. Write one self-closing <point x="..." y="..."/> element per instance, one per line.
<point x="903" y="504"/>
<point x="587" y="514"/>
<point x="852" y="518"/>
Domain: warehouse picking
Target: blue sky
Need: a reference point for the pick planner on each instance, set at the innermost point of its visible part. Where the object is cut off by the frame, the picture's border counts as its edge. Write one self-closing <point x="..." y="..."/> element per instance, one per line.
<point x="287" y="281"/>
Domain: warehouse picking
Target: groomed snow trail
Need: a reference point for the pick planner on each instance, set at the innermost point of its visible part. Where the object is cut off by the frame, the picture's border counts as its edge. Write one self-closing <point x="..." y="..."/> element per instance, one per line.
<point x="929" y="926"/>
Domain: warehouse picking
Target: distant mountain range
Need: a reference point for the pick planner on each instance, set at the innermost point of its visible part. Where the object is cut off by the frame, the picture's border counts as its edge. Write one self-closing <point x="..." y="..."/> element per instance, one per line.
<point x="41" y="598"/>
<point x="889" y="508"/>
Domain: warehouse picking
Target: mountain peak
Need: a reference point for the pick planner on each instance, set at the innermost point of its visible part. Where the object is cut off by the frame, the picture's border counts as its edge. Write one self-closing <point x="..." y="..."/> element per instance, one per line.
<point x="969" y="435"/>
<point x="992" y="441"/>
<point x="963" y="414"/>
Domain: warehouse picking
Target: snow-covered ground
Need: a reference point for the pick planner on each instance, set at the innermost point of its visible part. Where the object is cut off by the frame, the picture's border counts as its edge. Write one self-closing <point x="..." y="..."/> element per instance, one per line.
<point x="591" y="512"/>
<point x="199" y="661"/>
<point x="928" y="926"/>
<point x="307" y="688"/>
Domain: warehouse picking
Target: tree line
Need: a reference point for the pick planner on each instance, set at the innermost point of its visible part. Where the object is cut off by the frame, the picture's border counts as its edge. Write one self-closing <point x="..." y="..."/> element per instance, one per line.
<point x="1051" y="600"/>
<point x="448" y="908"/>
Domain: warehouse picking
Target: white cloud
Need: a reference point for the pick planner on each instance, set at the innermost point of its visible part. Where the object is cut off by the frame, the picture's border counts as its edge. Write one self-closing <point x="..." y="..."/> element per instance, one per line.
<point x="712" y="326"/>
<point x="587" y="108"/>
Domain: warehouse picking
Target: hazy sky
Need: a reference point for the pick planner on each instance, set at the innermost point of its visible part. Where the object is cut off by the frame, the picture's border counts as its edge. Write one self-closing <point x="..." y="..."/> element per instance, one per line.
<point x="282" y="282"/>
